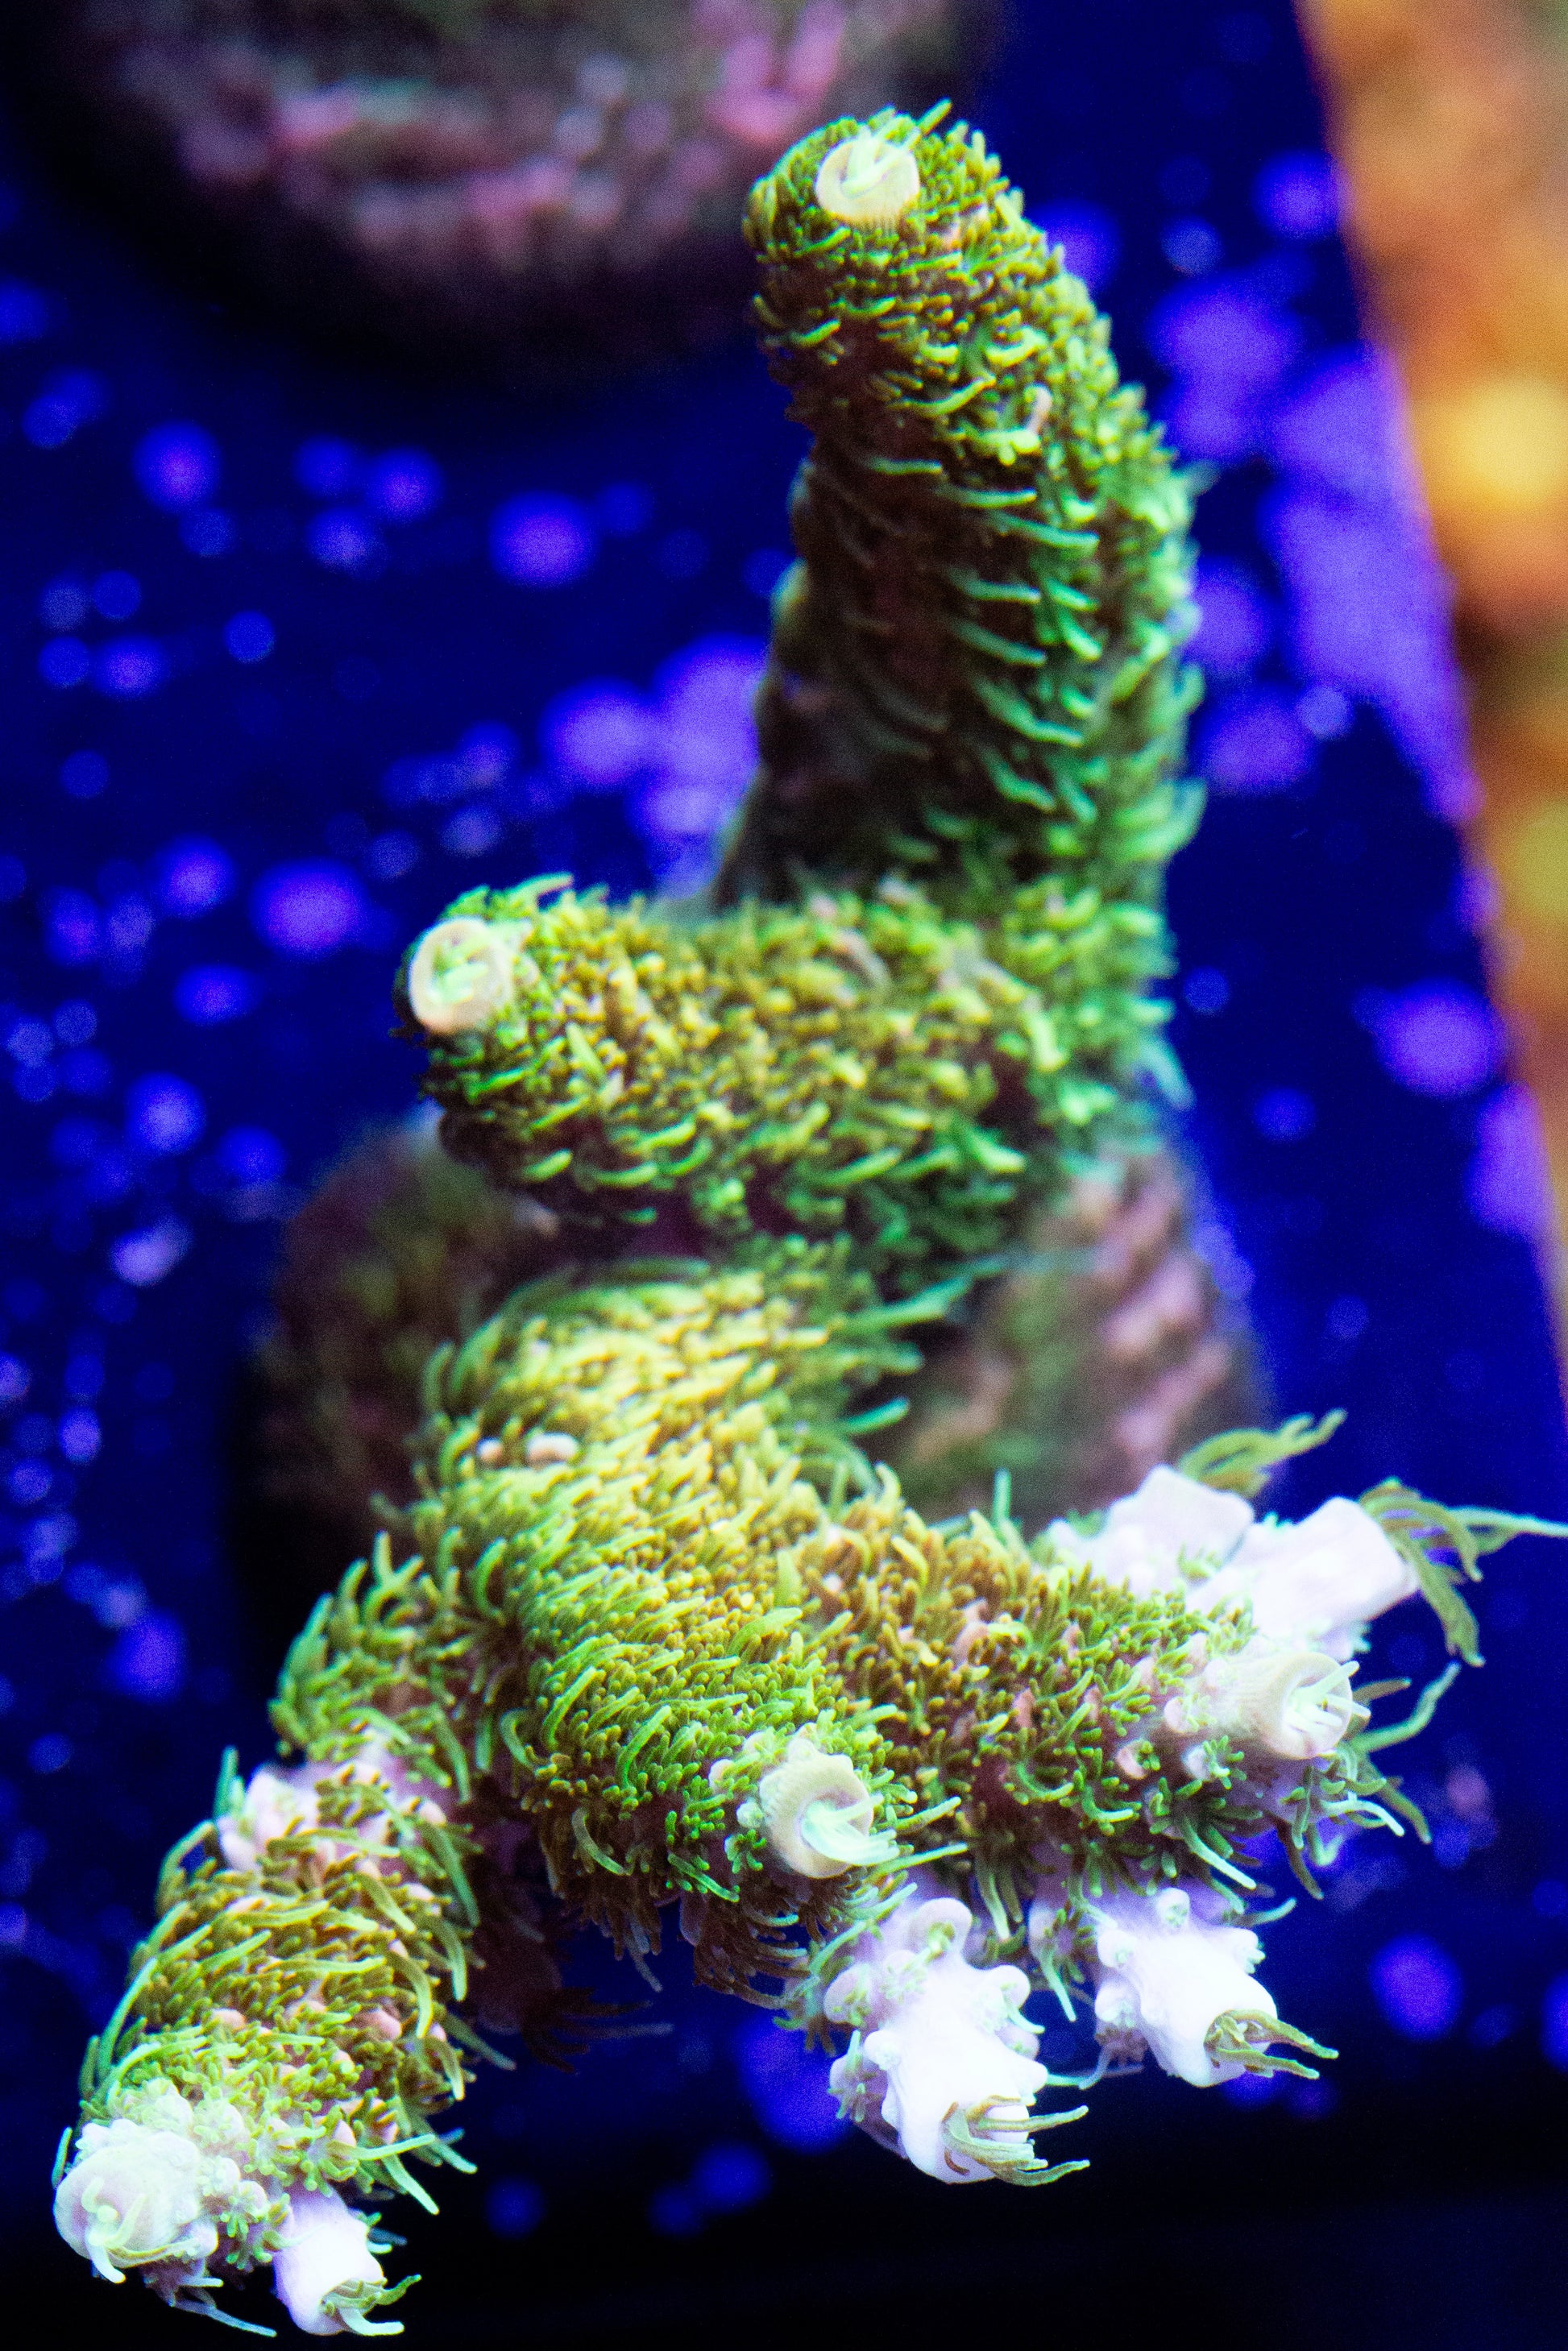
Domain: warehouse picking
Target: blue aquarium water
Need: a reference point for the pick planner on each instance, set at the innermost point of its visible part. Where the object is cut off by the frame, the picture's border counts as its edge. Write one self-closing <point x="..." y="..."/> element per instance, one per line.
<point x="294" y="649"/>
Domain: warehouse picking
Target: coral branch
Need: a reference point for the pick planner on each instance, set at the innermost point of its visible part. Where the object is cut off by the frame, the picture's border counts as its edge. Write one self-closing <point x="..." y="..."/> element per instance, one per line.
<point x="646" y="1632"/>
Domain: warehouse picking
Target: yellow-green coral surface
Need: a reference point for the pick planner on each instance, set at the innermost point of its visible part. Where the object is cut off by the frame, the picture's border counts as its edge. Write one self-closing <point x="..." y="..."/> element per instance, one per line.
<point x="655" y="1636"/>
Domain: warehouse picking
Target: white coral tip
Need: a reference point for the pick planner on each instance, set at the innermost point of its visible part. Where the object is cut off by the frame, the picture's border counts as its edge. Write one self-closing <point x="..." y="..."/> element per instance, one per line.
<point x="818" y="1813"/>
<point x="947" y="2046"/>
<point x="1293" y="1703"/>
<point x="135" y="2196"/>
<point x="1173" y="1529"/>
<point x="1317" y="1581"/>
<point x="274" y="1804"/>
<point x="1167" y="1977"/>
<point x="868" y="181"/>
<point x="462" y="974"/>
<point x="324" y="2247"/>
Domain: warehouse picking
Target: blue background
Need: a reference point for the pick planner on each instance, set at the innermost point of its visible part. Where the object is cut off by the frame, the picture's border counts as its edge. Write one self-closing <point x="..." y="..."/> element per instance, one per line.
<point x="293" y="648"/>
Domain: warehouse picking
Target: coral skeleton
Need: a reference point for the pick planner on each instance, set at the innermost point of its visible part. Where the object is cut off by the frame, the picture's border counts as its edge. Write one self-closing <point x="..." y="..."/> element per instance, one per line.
<point x="652" y="1634"/>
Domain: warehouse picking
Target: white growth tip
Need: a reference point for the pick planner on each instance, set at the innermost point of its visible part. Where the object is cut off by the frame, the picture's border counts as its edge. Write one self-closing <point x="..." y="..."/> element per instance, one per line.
<point x="868" y="181"/>
<point x="1293" y="1703"/>
<point x="1166" y="1975"/>
<point x="461" y="976"/>
<point x="1168" y="1535"/>
<point x="325" y="2247"/>
<point x="547" y="1446"/>
<point x="818" y="1813"/>
<point x="1321" y="1578"/>
<point x="276" y="1804"/>
<point x="946" y="2070"/>
<point x="136" y="2195"/>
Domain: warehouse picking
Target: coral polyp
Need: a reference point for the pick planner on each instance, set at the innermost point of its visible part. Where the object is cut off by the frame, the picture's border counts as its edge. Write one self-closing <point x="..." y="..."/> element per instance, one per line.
<point x="652" y="1639"/>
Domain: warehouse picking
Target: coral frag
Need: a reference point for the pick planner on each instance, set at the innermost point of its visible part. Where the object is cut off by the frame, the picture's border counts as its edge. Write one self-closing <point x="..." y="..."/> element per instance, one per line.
<point x="656" y="1641"/>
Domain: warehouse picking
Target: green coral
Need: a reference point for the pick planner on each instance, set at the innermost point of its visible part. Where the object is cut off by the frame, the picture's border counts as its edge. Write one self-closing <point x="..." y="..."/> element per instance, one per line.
<point x="976" y="670"/>
<point x="649" y="1582"/>
<point x="857" y="1064"/>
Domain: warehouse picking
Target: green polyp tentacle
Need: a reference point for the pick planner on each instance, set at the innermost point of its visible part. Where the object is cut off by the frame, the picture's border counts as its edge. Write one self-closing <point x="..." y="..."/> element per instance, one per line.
<point x="645" y="1570"/>
<point x="990" y="507"/>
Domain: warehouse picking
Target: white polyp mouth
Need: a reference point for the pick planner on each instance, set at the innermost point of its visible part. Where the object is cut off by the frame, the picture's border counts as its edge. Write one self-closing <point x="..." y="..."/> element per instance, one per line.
<point x="839" y="1830"/>
<point x="1318" y="1709"/>
<point x="818" y="1813"/>
<point x="868" y="181"/>
<point x="460" y="977"/>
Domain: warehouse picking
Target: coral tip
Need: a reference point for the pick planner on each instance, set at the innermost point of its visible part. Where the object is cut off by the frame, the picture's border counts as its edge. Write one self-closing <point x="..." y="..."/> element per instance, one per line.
<point x="460" y="976"/>
<point x="867" y="181"/>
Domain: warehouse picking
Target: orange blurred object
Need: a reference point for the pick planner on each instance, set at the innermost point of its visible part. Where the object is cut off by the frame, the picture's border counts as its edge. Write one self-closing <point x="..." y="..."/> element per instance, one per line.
<point x="1450" y="118"/>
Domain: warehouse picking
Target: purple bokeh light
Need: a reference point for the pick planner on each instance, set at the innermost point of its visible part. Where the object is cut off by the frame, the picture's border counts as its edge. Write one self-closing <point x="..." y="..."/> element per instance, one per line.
<point x="1369" y="606"/>
<point x="250" y="636"/>
<point x="165" y="1114"/>
<point x="1193" y="246"/>
<point x="404" y="485"/>
<point x="62" y="605"/>
<point x="1207" y="991"/>
<point x="144" y="1257"/>
<point x="514" y="2208"/>
<point x="1508" y="1185"/>
<point x="1369" y="603"/>
<point x="190" y="877"/>
<point x="25" y="312"/>
<point x="676" y="2210"/>
<point x="70" y="398"/>
<point x="1228" y="347"/>
<point x="543" y="542"/>
<point x="116" y="595"/>
<point x="207" y="530"/>
<point x="787" y="2084"/>
<point x="84" y="774"/>
<point x="1251" y="2089"/>
<point x="1437" y="1039"/>
<point x="344" y="540"/>
<point x="623" y="509"/>
<point x="1298" y="195"/>
<point x="1284" y="1115"/>
<point x="1255" y="742"/>
<point x="1554" y="2024"/>
<point x="64" y="662"/>
<point x="705" y="705"/>
<point x="327" y="467"/>
<point x="251" y="1154"/>
<point x="1417" y="1987"/>
<point x="128" y="667"/>
<point x="1089" y="240"/>
<point x="599" y="734"/>
<point x="1236" y="623"/>
<point x="310" y="909"/>
<point x="72" y="930"/>
<point x="210" y="993"/>
<point x="147" y="1660"/>
<point x="483" y="759"/>
<point x="177" y="466"/>
<point x="731" y="2176"/>
<point x="487" y="754"/>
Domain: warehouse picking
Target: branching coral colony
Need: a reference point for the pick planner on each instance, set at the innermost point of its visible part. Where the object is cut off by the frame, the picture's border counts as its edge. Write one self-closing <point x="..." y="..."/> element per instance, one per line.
<point x="653" y="1635"/>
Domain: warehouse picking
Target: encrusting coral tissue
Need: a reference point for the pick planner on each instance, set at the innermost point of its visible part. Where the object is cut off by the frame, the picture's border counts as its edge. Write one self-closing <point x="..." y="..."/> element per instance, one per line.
<point x="654" y="1639"/>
